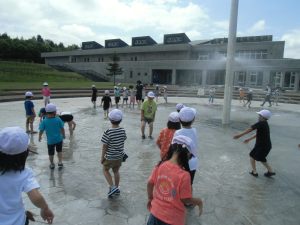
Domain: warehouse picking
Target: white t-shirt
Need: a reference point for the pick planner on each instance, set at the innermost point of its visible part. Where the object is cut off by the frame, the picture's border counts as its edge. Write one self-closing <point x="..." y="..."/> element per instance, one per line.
<point x="12" y="184"/>
<point x="192" y="134"/>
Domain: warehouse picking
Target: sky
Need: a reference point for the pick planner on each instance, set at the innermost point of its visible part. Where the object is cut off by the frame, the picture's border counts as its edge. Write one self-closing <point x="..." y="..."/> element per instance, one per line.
<point x="75" y="21"/>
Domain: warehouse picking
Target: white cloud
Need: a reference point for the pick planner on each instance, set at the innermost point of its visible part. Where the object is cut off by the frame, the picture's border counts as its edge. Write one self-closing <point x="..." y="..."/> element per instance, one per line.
<point x="258" y="27"/>
<point x="292" y="44"/>
<point x="78" y="30"/>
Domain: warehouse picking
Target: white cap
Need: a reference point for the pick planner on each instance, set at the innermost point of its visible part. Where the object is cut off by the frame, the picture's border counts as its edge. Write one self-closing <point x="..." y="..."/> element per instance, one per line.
<point x="187" y="114"/>
<point x="45" y="84"/>
<point x="115" y="115"/>
<point x="185" y="142"/>
<point x="150" y="94"/>
<point x="174" y="117"/>
<point x="93" y="85"/>
<point x="106" y="92"/>
<point x="50" y="108"/>
<point x="28" y="94"/>
<point x="265" y="113"/>
<point x="119" y="84"/>
<point x="124" y="88"/>
<point x="179" y="106"/>
<point x="65" y="113"/>
<point x="13" y="140"/>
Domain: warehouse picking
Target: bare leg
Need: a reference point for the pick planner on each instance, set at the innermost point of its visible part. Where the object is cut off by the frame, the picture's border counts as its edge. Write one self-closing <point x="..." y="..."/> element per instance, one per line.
<point x="59" y="156"/>
<point x="116" y="176"/>
<point x="253" y="165"/>
<point x="150" y="128"/>
<point x="143" y="128"/>
<point x="267" y="166"/>
<point x="51" y="157"/>
<point x="108" y="177"/>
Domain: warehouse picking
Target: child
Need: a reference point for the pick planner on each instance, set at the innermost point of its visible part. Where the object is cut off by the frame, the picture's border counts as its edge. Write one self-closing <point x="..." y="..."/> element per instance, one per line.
<point x="55" y="132"/>
<point x="187" y="116"/>
<point x="179" y="106"/>
<point x="169" y="185"/>
<point x="15" y="178"/>
<point x="69" y="118"/>
<point x="132" y="96"/>
<point x="125" y="96"/>
<point x="212" y="92"/>
<point x="46" y="93"/>
<point x="166" y="135"/>
<point x="106" y="101"/>
<point x="148" y="112"/>
<point x="113" y="151"/>
<point x="242" y="95"/>
<point x="249" y="98"/>
<point x="42" y="114"/>
<point x="30" y="113"/>
<point x="165" y="93"/>
<point x="263" y="142"/>
<point x="156" y="92"/>
<point x="94" y="95"/>
<point x="117" y="95"/>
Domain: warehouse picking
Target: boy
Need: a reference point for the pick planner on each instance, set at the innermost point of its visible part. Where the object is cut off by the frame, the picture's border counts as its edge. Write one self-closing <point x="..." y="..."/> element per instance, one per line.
<point x="55" y="132"/>
<point x="113" y="151"/>
<point x="30" y="113"/>
<point x="212" y="92"/>
<point x="69" y="118"/>
<point x="187" y="116"/>
<point x="117" y="94"/>
<point x="106" y="101"/>
<point x="263" y="142"/>
<point x="125" y="96"/>
<point x="249" y="98"/>
<point x="179" y="106"/>
<point x="148" y="111"/>
<point x="15" y="178"/>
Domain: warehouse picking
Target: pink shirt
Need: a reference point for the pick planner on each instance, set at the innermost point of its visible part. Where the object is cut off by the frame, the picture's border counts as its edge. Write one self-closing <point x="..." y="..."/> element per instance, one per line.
<point x="171" y="184"/>
<point x="46" y="91"/>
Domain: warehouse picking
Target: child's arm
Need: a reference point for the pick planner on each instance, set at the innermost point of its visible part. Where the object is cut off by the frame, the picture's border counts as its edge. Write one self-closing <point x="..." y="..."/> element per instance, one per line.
<point x="194" y="201"/>
<point x="40" y="135"/>
<point x="104" y="150"/>
<point x="38" y="200"/>
<point x="250" y="139"/>
<point x="150" y="187"/>
<point x="243" y="133"/>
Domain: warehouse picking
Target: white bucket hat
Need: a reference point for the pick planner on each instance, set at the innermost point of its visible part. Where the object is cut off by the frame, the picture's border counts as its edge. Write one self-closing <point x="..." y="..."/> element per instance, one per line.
<point x="179" y="106"/>
<point x="115" y="115"/>
<point x="185" y="142"/>
<point x="13" y="140"/>
<point x="265" y="113"/>
<point x="150" y="94"/>
<point x="50" y="108"/>
<point x="174" y="117"/>
<point x="28" y="94"/>
<point x="187" y="114"/>
<point x="45" y="84"/>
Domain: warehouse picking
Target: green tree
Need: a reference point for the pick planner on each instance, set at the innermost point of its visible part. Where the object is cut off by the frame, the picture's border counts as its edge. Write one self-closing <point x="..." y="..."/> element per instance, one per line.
<point x="114" y="67"/>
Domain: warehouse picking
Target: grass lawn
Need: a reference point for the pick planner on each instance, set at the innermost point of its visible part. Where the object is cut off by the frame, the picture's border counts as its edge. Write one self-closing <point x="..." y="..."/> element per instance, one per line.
<point x="30" y="76"/>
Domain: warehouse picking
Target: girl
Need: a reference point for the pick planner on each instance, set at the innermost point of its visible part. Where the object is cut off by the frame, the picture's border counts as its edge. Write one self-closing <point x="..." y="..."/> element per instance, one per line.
<point x="169" y="186"/>
<point x="17" y="179"/>
<point x="166" y="135"/>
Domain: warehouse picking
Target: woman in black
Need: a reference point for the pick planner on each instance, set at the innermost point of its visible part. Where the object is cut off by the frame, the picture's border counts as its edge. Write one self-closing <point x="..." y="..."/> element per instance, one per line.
<point x="263" y="142"/>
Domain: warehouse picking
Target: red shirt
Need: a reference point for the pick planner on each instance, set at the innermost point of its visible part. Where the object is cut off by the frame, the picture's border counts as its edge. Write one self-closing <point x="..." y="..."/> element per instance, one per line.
<point x="164" y="140"/>
<point x="171" y="184"/>
<point x="46" y="91"/>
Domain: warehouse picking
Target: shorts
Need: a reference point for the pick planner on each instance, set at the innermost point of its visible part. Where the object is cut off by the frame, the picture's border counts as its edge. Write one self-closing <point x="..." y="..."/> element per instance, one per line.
<point x="117" y="99"/>
<point x="155" y="221"/>
<point x="66" y="118"/>
<point x="112" y="164"/>
<point x="148" y="120"/>
<point x="138" y="97"/>
<point x="94" y="98"/>
<point x="260" y="154"/>
<point x="52" y="147"/>
<point x="30" y="119"/>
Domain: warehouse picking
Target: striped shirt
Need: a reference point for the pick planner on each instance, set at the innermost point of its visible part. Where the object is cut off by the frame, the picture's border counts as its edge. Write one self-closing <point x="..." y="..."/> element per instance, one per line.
<point x="114" y="138"/>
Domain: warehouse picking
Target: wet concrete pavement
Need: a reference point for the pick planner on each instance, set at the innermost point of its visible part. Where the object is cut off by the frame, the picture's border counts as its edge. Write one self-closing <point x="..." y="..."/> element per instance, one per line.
<point x="78" y="193"/>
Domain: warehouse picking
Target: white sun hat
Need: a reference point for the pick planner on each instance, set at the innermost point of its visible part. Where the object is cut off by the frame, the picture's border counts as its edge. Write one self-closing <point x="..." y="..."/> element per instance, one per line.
<point x="150" y="94"/>
<point x="115" y="115"/>
<point x="265" y="113"/>
<point x="13" y="140"/>
<point x="50" y="108"/>
<point x="187" y="114"/>
<point x="174" y="117"/>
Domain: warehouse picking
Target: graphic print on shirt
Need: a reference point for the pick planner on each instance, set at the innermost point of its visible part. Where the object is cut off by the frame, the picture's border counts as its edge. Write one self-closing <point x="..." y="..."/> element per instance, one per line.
<point x="166" y="189"/>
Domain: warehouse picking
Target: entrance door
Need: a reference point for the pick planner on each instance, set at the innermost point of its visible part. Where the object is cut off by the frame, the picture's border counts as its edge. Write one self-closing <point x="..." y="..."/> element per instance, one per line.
<point x="162" y="76"/>
<point x="289" y="79"/>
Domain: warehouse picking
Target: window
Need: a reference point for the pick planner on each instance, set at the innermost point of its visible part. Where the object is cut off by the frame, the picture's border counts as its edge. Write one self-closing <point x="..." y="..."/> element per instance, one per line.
<point x="139" y="74"/>
<point x="99" y="59"/>
<point x="131" y="58"/>
<point x="146" y="74"/>
<point x="131" y="74"/>
<point x="135" y="58"/>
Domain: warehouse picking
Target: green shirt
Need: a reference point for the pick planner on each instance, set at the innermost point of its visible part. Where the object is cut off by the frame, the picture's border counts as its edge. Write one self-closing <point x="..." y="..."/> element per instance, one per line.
<point x="149" y="108"/>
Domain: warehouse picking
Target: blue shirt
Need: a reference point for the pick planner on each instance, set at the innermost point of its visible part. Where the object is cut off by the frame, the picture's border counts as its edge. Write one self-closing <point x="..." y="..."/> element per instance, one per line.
<point x="53" y="127"/>
<point x="28" y="107"/>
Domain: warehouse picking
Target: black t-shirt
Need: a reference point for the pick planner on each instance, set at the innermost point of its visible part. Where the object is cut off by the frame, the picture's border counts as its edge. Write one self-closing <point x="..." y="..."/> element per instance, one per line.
<point x="106" y="101"/>
<point x="139" y="89"/>
<point x="94" y="90"/>
<point x="263" y="139"/>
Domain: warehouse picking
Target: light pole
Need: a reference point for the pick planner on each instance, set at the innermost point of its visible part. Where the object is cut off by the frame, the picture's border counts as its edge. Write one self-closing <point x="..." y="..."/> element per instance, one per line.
<point x="230" y="62"/>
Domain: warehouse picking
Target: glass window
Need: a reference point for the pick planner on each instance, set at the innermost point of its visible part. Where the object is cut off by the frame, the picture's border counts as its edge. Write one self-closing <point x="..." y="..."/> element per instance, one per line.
<point x="146" y="74"/>
<point x="131" y="74"/>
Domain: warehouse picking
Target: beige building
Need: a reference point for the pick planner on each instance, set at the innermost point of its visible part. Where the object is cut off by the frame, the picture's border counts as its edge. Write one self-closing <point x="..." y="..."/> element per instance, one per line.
<point x="179" y="61"/>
